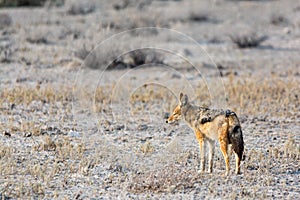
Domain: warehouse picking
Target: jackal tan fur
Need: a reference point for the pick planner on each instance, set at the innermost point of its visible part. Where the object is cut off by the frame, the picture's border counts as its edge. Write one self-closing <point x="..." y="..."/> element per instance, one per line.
<point x="221" y="125"/>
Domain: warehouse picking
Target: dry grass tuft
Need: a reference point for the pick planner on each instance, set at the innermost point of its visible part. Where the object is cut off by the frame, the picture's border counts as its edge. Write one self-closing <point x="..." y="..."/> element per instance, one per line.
<point x="147" y="148"/>
<point x="168" y="179"/>
<point x="45" y="94"/>
<point x="292" y="149"/>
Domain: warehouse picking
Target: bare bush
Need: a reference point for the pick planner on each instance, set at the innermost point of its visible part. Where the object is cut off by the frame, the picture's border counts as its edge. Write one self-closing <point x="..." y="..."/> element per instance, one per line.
<point x="277" y="20"/>
<point x="81" y="8"/>
<point x="17" y="3"/>
<point x="117" y="60"/>
<point x="145" y="56"/>
<point x="5" y="20"/>
<point x="248" y="41"/>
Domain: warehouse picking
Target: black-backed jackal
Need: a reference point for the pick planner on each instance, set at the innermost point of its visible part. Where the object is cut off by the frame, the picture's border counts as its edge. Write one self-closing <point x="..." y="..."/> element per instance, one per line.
<point x="210" y="125"/>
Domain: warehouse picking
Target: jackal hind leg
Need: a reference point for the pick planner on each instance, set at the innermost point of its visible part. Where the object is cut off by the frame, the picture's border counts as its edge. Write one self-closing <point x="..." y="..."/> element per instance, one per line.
<point x="202" y="150"/>
<point x="211" y="155"/>
<point x="224" y="148"/>
<point x="237" y="164"/>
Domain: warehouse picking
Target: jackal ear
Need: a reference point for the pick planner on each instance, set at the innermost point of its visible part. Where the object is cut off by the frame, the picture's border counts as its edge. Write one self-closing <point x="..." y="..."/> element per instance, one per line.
<point x="180" y="96"/>
<point x="183" y="99"/>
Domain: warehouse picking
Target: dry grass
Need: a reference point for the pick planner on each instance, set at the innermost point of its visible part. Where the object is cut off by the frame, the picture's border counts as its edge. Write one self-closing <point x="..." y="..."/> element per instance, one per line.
<point x="168" y="179"/>
<point x="270" y="96"/>
<point x="49" y="157"/>
<point x="41" y="166"/>
<point x="26" y="94"/>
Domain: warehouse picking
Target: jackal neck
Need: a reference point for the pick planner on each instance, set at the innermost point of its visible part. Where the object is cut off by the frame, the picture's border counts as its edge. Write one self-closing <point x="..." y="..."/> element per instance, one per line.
<point x="189" y="113"/>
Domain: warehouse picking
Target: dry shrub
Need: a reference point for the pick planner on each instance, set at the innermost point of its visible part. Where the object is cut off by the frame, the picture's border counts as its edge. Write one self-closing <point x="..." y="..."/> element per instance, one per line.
<point x="81" y="8"/>
<point x="38" y="39"/>
<point x="277" y="19"/>
<point x="49" y="144"/>
<point x="82" y="53"/>
<point x="17" y="3"/>
<point x="6" y="55"/>
<point x="139" y="19"/>
<point x="291" y="148"/>
<point x="248" y="40"/>
<point x="145" y="56"/>
<point x="250" y="0"/>
<point x="5" y="20"/>
<point x="115" y="59"/>
<point x="103" y="56"/>
<point x="5" y="151"/>
<point x="199" y="17"/>
<point x="196" y="16"/>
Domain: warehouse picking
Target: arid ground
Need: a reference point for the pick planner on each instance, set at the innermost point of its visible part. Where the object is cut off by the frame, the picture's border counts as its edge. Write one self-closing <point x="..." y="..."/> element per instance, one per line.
<point x="85" y="90"/>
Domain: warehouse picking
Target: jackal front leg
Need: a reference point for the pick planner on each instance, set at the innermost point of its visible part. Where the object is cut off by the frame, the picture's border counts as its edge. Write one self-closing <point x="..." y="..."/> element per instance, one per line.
<point x="200" y="139"/>
<point x="211" y="155"/>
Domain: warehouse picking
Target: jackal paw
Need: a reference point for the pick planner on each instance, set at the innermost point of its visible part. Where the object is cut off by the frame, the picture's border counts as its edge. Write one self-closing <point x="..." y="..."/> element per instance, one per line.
<point x="237" y="172"/>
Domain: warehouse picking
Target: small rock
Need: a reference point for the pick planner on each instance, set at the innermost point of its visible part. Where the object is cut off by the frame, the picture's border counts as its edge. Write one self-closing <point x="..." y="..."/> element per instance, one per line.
<point x="20" y="80"/>
<point x="176" y="76"/>
<point x="27" y="134"/>
<point x="12" y="106"/>
<point x="51" y="131"/>
<point x="171" y="133"/>
<point x="142" y="127"/>
<point x="106" y="123"/>
<point x="7" y="133"/>
<point x="287" y="30"/>
<point x="172" y="188"/>
<point x="119" y="127"/>
<point x="73" y="134"/>
<point x="166" y="115"/>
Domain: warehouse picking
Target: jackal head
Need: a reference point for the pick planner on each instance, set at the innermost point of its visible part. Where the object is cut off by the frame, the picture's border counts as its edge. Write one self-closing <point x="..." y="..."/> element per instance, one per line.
<point x="176" y="115"/>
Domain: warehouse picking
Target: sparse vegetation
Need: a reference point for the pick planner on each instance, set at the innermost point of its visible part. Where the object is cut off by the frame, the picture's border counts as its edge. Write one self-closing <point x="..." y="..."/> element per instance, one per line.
<point x="56" y="154"/>
<point x="248" y="40"/>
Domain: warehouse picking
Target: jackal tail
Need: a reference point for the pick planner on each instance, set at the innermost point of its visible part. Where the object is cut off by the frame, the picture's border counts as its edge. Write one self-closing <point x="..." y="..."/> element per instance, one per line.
<point x="235" y="135"/>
